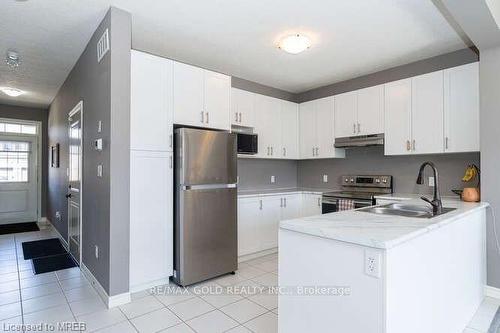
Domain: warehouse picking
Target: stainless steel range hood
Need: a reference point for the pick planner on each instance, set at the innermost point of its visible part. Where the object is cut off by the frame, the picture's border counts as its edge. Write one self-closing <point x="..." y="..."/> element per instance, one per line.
<point x="360" y="141"/>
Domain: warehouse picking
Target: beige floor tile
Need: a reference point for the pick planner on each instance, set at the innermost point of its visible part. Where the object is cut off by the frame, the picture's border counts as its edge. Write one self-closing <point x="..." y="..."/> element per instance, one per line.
<point x="212" y="322"/>
<point x="244" y="310"/>
<point x="155" y="321"/>
<point x="191" y="308"/>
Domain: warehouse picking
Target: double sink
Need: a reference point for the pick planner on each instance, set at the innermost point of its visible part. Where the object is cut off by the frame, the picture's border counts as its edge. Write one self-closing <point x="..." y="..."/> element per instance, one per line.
<point x="405" y="210"/>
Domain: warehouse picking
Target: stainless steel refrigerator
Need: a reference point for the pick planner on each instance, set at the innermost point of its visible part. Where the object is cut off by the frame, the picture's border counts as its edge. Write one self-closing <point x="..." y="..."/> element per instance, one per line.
<point x="205" y="205"/>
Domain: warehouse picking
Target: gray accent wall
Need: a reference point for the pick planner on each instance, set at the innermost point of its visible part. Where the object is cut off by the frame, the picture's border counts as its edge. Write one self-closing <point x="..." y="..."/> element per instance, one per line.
<point x="34" y="114"/>
<point x="404" y="169"/>
<point x="255" y="174"/>
<point x="457" y="58"/>
<point x="104" y="88"/>
<point x="489" y="81"/>
<point x="258" y="88"/>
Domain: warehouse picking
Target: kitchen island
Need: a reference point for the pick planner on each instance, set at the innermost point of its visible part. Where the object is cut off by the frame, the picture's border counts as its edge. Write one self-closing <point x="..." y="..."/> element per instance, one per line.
<point x="382" y="273"/>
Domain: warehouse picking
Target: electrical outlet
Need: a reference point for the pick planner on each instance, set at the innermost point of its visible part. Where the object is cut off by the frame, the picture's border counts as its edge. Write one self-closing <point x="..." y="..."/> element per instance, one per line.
<point x="96" y="251"/>
<point x="325" y="178"/>
<point x="273" y="179"/>
<point x="431" y="181"/>
<point x="372" y="263"/>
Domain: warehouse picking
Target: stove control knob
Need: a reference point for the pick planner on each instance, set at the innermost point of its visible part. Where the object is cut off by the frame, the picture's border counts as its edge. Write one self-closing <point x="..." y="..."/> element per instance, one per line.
<point x="377" y="181"/>
<point x="384" y="180"/>
<point x="352" y="180"/>
<point x="347" y="180"/>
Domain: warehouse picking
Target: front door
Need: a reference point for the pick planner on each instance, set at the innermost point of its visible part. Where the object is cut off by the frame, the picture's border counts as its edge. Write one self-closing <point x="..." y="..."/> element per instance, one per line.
<point x="18" y="178"/>
<point x="74" y="182"/>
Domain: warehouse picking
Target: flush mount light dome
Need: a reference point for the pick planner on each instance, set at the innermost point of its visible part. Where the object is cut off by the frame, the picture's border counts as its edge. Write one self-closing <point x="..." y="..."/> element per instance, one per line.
<point x="12" y="92"/>
<point x="295" y="43"/>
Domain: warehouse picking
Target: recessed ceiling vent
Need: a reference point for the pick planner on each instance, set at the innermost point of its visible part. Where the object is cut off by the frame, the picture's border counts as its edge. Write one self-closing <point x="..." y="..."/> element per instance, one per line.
<point x="103" y="45"/>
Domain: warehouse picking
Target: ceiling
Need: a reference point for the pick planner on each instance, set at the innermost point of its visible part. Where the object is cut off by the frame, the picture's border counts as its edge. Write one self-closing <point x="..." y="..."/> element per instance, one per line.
<point x="238" y="37"/>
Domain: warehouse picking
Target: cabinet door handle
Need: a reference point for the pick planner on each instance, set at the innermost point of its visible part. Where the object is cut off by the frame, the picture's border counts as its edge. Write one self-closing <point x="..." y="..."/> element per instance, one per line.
<point x="207" y="118"/>
<point x="414" y="145"/>
<point x="202" y="117"/>
<point x="171" y="162"/>
<point x="284" y="202"/>
<point x="260" y="204"/>
<point x="313" y="151"/>
<point x="240" y="117"/>
<point x="354" y="128"/>
<point x="359" y="128"/>
<point x="446" y="142"/>
<point x="268" y="151"/>
<point x="171" y="140"/>
<point x="284" y="151"/>
<point x="408" y="145"/>
<point x="319" y="202"/>
<point x="272" y="148"/>
<point x="236" y="116"/>
<point x="317" y="151"/>
<point x="281" y="202"/>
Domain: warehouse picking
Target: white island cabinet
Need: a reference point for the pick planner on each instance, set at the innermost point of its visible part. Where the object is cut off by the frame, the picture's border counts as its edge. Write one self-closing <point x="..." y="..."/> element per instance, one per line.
<point x="375" y="273"/>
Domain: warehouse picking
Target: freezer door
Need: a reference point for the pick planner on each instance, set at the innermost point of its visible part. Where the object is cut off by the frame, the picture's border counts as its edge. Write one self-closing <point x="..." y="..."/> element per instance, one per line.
<point x="205" y="157"/>
<point x="206" y="234"/>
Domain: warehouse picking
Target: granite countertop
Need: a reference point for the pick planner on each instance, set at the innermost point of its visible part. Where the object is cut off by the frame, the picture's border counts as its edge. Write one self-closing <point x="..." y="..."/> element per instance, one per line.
<point x="249" y="193"/>
<point x="374" y="230"/>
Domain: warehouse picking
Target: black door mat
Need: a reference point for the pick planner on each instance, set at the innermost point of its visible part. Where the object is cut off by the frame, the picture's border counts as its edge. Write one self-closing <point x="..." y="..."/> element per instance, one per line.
<point x="42" y="248"/>
<point x="14" y="228"/>
<point x="53" y="263"/>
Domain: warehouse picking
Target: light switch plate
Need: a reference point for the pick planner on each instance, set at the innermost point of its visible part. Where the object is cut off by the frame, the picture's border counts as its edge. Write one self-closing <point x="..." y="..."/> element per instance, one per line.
<point x="325" y="178"/>
<point x="99" y="126"/>
<point x="273" y="179"/>
<point x="99" y="170"/>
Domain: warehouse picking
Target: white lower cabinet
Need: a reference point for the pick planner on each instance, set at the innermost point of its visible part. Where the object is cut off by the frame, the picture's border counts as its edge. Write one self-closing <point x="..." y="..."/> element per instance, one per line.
<point x="311" y="204"/>
<point x="259" y="217"/>
<point x="151" y="218"/>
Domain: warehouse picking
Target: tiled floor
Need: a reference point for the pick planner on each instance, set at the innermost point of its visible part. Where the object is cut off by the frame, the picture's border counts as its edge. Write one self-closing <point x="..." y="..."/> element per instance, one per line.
<point x="67" y="296"/>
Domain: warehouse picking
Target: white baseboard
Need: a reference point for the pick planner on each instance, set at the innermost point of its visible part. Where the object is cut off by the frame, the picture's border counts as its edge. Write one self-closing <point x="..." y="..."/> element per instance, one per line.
<point x="257" y="255"/>
<point x="149" y="285"/>
<point x="492" y="292"/>
<point x="61" y="238"/>
<point x="110" y="301"/>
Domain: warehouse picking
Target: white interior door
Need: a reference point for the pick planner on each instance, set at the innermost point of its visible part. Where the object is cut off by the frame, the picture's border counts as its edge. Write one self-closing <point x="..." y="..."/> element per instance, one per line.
<point x="74" y="181"/>
<point x="18" y="178"/>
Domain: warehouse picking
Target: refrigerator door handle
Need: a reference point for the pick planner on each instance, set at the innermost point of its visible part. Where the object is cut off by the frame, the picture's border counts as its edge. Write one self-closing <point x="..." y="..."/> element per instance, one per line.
<point x="206" y="186"/>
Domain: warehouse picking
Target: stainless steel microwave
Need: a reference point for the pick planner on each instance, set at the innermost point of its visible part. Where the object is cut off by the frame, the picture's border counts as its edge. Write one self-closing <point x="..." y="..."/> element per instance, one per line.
<point x="247" y="143"/>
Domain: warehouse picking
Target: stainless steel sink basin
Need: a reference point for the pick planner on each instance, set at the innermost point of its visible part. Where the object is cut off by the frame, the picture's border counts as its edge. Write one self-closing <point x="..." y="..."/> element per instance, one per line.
<point x="405" y="210"/>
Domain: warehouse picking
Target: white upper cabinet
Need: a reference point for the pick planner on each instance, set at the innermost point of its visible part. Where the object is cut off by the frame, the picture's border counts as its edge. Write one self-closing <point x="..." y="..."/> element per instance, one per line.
<point x="307" y="129"/>
<point x="217" y="99"/>
<point x="289" y="130"/>
<point x="151" y="102"/>
<point x="398" y="117"/>
<point x="201" y="97"/>
<point x="242" y="108"/>
<point x="427" y="113"/>
<point x="360" y="112"/>
<point x="461" y="108"/>
<point x="188" y="95"/>
<point x="370" y="111"/>
<point x="268" y="126"/>
<point x="317" y="129"/>
<point x="346" y="117"/>
<point x="325" y="128"/>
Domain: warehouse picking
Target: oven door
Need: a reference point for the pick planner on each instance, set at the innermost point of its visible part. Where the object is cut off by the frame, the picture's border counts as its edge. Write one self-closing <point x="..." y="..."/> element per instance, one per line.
<point x="330" y="204"/>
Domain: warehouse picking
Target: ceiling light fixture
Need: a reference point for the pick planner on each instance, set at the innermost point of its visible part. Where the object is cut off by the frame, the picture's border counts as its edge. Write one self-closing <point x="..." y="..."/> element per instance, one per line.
<point x="12" y="92"/>
<point x="295" y="44"/>
<point x="13" y="59"/>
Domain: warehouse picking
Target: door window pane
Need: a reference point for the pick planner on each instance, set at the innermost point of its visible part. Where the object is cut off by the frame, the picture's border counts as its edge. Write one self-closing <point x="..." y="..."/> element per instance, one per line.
<point x="17" y="128"/>
<point x="14" y="161"/>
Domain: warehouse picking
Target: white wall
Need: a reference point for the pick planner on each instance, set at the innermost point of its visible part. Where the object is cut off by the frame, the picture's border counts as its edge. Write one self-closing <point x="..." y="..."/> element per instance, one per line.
<point x="490" y="151"/>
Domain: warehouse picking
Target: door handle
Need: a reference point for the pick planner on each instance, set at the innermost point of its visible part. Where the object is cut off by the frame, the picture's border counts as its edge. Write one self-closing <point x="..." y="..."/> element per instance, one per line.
<point x="317" y="151"/>
<point x="268" y="151"/>
<point x="284" y="151"/>
<point x="68" y="195"/>
<point x="202" y="117"/>
<point x="319" y="202"/>
<point x="171" y="162"/>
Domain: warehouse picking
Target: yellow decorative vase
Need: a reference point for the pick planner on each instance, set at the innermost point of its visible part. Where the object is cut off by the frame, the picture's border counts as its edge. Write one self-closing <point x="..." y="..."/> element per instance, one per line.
<point x="471" y="194"/>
